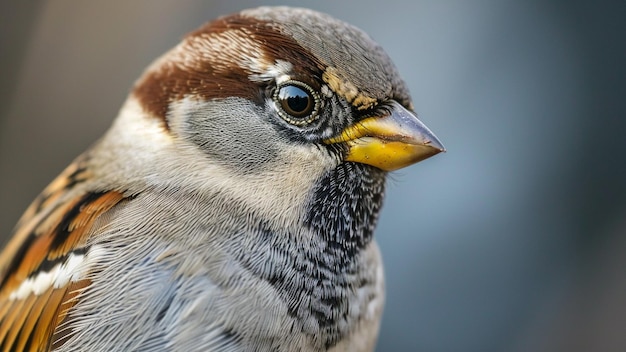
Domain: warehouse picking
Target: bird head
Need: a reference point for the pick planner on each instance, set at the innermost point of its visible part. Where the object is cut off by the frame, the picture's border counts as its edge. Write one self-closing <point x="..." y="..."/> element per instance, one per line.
<point x="289" y="107"/>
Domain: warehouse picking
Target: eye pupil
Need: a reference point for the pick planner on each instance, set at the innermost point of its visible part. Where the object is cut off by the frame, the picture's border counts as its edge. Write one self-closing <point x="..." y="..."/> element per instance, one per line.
<point x="298" y="102"/>
<point x="295" y="101"/>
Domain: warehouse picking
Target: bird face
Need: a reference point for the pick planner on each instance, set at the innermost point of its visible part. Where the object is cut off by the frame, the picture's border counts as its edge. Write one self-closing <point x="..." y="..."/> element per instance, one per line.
<point x="284" y="96"/>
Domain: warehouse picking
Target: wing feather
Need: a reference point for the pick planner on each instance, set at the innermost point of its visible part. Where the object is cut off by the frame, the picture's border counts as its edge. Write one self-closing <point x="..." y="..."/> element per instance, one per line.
<point x="31" y="319"/>
<point x="36" y="297"/>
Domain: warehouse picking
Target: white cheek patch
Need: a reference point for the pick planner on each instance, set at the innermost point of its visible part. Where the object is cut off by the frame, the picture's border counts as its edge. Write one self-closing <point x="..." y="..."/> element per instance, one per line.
<point x="71" y="269"/>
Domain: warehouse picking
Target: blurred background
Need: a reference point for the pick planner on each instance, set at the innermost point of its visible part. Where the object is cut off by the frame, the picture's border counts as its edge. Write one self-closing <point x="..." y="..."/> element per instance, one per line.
<point x="514" y="240"/>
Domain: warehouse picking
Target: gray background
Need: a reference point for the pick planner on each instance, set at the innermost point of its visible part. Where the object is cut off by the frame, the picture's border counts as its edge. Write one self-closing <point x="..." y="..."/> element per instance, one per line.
<point x="511" y="241"/>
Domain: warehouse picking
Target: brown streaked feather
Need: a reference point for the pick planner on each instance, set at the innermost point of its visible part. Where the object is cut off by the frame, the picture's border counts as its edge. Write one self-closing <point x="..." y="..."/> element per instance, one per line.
<point x="31" y="319"/>
<point x="73" y="174"/>
<point x="35" y="321"/>
<point x="42" y="334"/>
<point x="34" y="215"/>
<point x="51" y="229"/>
<point x="78" y="226"/>
<point x="17" y="308"/>
<point x="62" y="332"/>
<point x="54" y="236"/>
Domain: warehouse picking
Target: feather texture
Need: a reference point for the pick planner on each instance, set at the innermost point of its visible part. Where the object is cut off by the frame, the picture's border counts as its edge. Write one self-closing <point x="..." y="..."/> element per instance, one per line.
<point x="39" y="277"/>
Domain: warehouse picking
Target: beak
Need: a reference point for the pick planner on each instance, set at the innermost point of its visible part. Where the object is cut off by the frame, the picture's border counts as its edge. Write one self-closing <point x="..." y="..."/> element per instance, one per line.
<point x="389" y="142"/>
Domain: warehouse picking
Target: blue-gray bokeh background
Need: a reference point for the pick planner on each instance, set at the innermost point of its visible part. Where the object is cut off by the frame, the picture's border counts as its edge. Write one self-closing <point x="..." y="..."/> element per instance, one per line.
<point x="511" y="241"/>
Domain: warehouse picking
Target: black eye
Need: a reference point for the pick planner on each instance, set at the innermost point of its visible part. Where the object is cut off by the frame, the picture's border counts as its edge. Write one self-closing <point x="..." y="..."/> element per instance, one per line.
<point x="297" y="102"/>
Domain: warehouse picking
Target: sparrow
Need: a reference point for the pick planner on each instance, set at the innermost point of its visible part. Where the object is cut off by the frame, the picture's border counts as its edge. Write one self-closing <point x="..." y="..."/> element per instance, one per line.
<point x="231" y="205"/>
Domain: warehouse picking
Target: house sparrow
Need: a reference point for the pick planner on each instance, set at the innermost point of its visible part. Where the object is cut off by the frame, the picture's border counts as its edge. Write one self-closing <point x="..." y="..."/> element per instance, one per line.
<point x="231" y="205"/>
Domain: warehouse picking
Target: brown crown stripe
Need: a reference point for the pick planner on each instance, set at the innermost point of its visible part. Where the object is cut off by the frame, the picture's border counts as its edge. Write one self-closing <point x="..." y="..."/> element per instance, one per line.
<point x="216" y="73"/>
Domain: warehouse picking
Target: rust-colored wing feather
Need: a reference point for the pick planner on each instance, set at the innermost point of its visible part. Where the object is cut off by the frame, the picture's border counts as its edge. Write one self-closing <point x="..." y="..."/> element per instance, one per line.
<point x="53" y="228"/>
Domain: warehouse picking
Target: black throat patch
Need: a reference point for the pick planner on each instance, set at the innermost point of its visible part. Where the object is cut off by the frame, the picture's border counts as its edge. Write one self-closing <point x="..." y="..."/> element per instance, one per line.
<point x="345" y="205"/>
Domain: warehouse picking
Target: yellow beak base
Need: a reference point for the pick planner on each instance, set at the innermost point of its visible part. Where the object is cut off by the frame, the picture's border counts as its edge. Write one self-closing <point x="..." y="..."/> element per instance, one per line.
<point x="387" y="155"/>
<point x="389" y="142"/>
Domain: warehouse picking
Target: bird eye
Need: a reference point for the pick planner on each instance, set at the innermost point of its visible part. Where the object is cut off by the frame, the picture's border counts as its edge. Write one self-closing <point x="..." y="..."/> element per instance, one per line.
<point x="298" y="103"/>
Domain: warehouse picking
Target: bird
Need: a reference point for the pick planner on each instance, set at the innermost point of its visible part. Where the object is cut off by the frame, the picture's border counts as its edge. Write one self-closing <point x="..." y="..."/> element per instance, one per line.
<point x="232" y="204"/>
